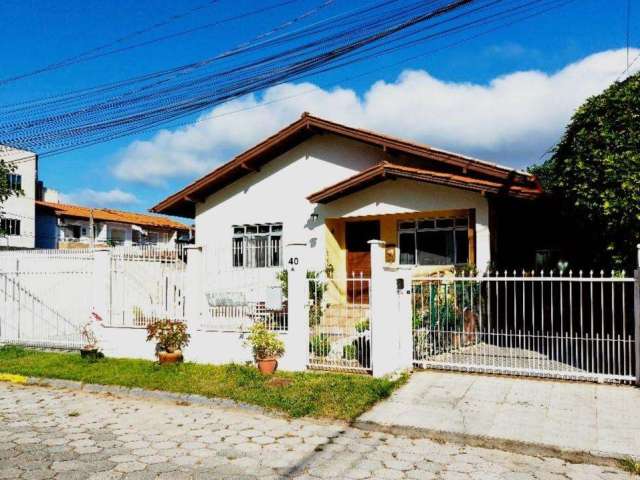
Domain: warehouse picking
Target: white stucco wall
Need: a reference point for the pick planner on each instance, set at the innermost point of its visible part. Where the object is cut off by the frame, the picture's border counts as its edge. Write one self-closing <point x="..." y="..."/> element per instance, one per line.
<point x="277" y="193"/>
<point x="21" y="207"/>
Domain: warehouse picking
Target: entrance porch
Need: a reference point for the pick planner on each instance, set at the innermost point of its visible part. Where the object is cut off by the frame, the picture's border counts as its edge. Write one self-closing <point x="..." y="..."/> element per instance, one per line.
<point x="429" y="241"/>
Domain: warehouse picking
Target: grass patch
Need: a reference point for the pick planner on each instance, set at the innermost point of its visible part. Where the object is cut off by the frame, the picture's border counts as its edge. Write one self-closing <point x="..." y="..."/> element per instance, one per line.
<point x="329" y="395"/>
<point x="630" y="465"/>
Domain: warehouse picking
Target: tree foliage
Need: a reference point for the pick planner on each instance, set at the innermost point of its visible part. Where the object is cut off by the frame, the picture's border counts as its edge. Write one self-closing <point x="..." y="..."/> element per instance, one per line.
<point x="595" y="174"/>
<point x="5" y="169"/>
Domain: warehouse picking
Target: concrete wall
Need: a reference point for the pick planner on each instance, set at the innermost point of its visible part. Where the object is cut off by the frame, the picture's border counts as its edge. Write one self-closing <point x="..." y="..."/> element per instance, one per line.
<point x="204" y="347"/>
<point x="21" y="207"/>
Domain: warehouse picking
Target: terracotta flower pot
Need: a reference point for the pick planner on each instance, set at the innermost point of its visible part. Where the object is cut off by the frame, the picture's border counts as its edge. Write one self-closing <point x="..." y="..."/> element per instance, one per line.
<point x="170" y="357"/>
<point x="267" y="365"/>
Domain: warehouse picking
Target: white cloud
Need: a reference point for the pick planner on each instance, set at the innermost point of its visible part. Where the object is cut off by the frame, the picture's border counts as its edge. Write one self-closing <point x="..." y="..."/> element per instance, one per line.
<point x="94" y="198"/>
<point x="513" y="119"/>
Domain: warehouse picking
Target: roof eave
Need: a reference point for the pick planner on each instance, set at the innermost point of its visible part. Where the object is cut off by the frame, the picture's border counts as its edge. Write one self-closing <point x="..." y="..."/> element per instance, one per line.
<point x="175" y="204"/>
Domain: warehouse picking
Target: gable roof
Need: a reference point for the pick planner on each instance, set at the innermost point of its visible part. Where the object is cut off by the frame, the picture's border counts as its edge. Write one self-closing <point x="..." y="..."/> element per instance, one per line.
<point x="182" y="203"/>
<point x="387" y="171"/>
<point x="110" y="215"/>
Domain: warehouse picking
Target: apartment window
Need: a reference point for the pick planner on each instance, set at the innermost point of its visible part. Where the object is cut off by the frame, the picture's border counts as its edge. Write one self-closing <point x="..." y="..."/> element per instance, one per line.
<point x="15" y="181"/>
<point x="76" y="231"/>
<point x="10" y="226"/>
<point x="434" y="241"/>
<point x="153" y="238"/>
<point x="257" y="246"/>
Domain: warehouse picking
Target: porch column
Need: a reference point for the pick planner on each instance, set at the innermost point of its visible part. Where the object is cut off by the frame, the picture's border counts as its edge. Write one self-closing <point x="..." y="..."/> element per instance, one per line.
<point x="390" y="314"/>
<point x="297" y="338"/>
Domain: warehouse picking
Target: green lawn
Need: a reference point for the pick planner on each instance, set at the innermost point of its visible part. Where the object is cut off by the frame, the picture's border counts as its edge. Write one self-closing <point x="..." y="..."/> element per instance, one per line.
<point x="329" y="395"/>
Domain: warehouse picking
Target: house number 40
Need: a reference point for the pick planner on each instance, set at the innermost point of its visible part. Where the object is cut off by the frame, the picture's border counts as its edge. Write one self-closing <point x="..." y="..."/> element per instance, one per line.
<point x="293" y="261"/>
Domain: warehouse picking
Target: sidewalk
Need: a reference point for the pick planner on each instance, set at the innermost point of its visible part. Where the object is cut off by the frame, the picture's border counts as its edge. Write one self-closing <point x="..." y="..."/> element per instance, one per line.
<point x="571" y="420"/>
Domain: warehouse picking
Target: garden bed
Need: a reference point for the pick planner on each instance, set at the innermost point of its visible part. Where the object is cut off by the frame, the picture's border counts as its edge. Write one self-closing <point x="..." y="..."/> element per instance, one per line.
<point x="327" y="395"/>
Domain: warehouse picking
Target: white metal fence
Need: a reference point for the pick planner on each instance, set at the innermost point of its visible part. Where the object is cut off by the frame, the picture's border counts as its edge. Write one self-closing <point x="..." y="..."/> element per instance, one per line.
<point x="146" y="284"/>
<point x="563" y="325"/>
<point x="45" y="296"/>
<point x="339" y="324"/>
<point x="244" y="285"/>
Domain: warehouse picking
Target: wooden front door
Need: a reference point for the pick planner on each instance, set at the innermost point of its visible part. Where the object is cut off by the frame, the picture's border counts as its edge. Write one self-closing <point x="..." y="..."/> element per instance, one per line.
<point x="358" y="235"/>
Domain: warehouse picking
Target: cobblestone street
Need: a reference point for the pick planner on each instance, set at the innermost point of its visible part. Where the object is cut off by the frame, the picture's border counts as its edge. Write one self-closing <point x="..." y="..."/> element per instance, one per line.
<point x="49" y="433"/>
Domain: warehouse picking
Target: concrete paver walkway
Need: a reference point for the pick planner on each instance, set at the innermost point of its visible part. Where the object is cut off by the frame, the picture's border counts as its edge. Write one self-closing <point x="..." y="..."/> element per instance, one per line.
<point x="63" y="434"/>
<point x="602" y="420"/>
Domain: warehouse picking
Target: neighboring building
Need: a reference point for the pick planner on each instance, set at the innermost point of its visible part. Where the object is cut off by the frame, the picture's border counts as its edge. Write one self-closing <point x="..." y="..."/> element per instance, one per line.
<point x="336" y="187"/>
<point x="69" y="226"/>
<point x="17" y="218"/>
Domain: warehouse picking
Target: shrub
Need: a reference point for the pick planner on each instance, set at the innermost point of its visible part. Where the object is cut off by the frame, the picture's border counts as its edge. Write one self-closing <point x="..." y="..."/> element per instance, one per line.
<point x="349" y="352"/>
<point x="362" y="326"/>
<point x="320" y="345"/>
<point x="171" y="335"/>
<point x="264" y="343"/>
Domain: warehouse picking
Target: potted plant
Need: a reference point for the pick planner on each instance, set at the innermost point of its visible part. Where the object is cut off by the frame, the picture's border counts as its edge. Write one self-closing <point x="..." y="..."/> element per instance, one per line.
<point x="266" y="346"/>
<point x="171" y="337"/>
<point x="90" y="348"/>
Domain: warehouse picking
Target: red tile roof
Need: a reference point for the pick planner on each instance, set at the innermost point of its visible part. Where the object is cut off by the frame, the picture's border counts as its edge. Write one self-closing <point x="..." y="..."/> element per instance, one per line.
<point x="182" y="202"/>
<point x="110" y="215"/>
<point x="386" y="170"/>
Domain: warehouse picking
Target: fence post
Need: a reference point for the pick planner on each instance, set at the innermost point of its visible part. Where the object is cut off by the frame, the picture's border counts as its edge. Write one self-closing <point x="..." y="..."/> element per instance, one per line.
<point x="390" y="315"/>
<point x="194" y="291"/>
<point x="101" y="285"/>
<point x="636" y="312"/>
<point x="297" y="354"/>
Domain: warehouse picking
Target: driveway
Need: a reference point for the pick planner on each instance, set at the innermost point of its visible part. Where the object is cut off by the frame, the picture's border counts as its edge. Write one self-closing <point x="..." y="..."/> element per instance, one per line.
<point x="48" y="433"/>
<point x="537" y="415"/>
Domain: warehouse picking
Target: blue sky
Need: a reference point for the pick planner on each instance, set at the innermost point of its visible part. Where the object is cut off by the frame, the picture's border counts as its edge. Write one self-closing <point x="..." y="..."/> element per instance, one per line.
<point x="136" y="172"/>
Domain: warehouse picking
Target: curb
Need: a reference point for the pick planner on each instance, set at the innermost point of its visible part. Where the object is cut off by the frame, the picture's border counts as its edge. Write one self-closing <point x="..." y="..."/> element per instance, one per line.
<point x="138" y="393"/>
<point x="480" y="441"/>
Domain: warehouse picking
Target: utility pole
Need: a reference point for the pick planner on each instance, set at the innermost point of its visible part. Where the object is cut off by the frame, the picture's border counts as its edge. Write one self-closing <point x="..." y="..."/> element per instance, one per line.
<point x="92" y="236"/>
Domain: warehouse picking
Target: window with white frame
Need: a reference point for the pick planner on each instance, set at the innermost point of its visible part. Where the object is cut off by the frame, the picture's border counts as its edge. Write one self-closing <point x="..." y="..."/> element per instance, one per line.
<point x="9" y="226"/>
<point x="434" y="241"/>
<point x="257" y="246"/>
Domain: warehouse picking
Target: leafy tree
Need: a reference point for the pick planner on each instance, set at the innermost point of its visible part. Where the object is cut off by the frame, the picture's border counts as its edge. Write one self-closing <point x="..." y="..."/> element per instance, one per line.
<point x="5" y="169"/>
<point x="594" y="173"/>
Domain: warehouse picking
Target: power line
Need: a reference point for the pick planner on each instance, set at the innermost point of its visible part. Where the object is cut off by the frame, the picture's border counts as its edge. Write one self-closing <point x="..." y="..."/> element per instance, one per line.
<point x="87" y="53"/>
<point x="510" y="20"/>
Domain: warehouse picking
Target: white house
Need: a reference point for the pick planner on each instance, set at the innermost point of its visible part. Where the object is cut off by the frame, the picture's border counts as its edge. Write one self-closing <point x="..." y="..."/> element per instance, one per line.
<point x="336" y="187"/>
<point x="18" y="212"/>
<point x="70" y="226"/>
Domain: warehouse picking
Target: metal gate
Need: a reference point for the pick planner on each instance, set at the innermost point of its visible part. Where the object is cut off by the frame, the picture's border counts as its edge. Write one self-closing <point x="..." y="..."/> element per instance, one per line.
<point x="146" y="284"/>
<point x="339" y="325"/>
<point x="45" y="297"/>
<point x="563" y="326"/>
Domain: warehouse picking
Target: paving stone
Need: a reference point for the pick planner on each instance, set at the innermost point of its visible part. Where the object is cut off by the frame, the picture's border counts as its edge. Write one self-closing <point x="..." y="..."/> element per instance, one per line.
<point x="129" y="467"/>
<point x="124" y="438"/>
